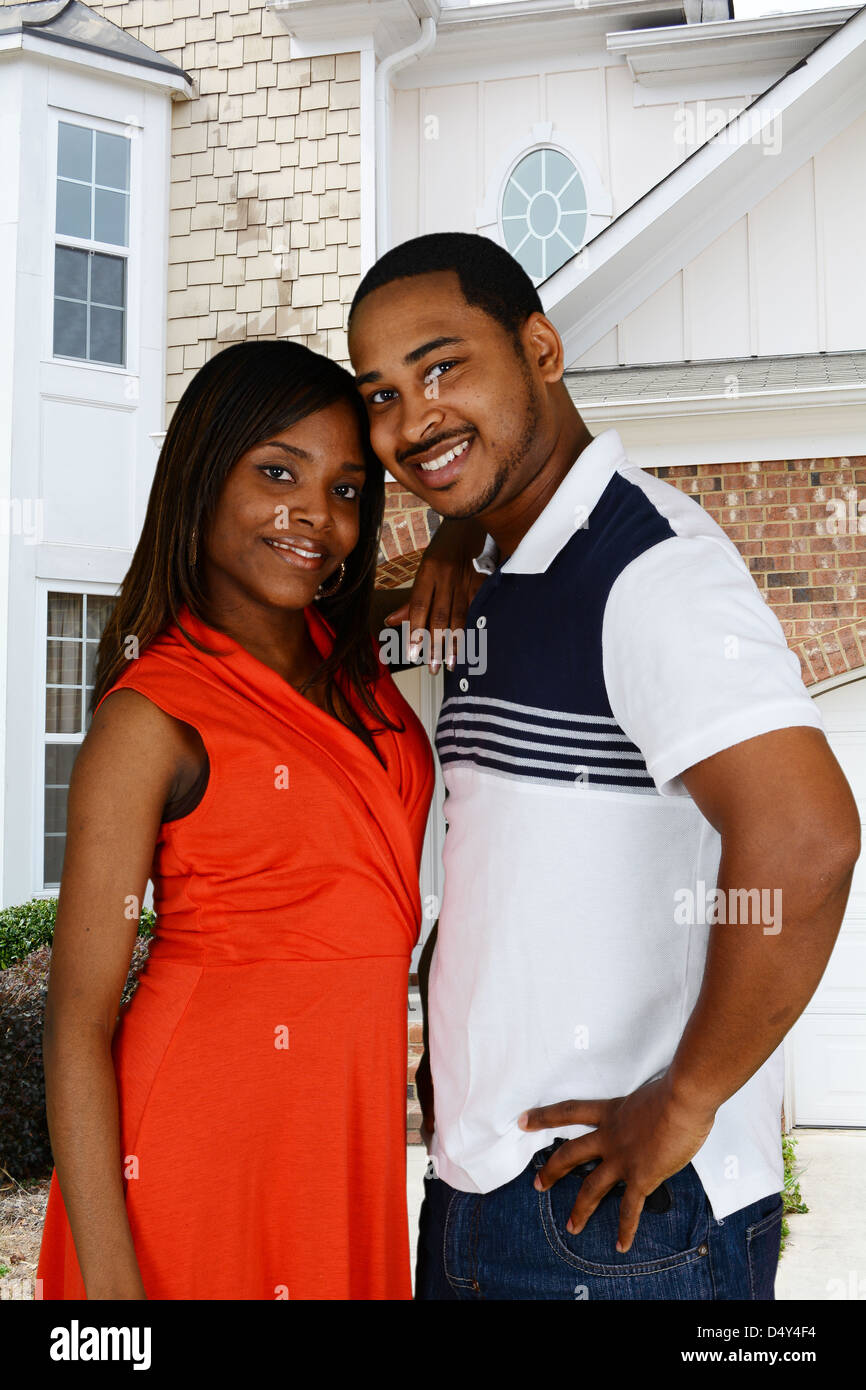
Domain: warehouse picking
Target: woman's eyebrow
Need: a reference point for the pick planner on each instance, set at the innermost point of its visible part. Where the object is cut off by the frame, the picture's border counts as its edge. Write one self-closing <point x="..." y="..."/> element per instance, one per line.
<point x="411" y="357"/>
<point x="302" y="454"/>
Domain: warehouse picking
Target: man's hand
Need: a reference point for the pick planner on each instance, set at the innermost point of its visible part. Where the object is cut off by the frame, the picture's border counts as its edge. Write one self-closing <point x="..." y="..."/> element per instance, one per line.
<point x="444" y="587"/>
<point x="641" y="1139"/>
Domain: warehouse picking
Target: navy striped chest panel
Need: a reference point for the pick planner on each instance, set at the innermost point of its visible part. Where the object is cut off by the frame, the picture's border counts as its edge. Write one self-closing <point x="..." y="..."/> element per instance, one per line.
<point x="527" y="698"/>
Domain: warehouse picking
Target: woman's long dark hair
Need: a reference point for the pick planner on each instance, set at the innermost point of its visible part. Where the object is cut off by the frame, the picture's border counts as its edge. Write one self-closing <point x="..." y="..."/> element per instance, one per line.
<point x="244" y="395"/>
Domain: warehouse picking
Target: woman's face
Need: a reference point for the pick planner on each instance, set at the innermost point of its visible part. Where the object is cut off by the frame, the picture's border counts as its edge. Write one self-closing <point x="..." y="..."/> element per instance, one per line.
<point x="288" y="513"/>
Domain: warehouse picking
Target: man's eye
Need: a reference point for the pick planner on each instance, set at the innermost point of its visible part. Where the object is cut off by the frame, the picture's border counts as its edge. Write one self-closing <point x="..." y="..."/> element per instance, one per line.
<point x="378" y="397"/>
<point x="440" y="368"/>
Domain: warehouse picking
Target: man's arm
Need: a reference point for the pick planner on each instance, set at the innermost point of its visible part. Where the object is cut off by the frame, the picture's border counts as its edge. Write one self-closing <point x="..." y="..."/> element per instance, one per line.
<point x="438" y="600"/>
<point x="788" y="822"/>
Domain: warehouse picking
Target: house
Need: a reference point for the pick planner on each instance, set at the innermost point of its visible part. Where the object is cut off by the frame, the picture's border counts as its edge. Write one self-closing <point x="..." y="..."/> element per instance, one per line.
<point x="685" y="182"/>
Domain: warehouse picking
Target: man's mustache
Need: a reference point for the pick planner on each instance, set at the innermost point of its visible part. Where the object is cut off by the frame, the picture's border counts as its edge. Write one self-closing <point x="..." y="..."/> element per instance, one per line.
<point x="419" y="450"/>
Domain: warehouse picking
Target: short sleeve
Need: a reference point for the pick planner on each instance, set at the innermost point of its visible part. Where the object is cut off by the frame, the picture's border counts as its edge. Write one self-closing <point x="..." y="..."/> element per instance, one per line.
<point x="694" y="659"/>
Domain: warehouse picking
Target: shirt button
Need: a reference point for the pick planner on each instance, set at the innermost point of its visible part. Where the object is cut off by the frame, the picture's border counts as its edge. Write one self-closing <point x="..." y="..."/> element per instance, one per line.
<point x="464" y="684"/>
<point x="703" y="1249"/>
<point x="481" y="622"/>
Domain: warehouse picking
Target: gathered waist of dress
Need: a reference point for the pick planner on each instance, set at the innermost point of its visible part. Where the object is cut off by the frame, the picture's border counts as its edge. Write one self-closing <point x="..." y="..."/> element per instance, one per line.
<point x="275" y="940"/>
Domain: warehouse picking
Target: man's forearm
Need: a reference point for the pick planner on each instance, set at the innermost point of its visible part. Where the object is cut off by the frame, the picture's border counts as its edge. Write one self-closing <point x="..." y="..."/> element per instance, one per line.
<point x="759" y="976"/>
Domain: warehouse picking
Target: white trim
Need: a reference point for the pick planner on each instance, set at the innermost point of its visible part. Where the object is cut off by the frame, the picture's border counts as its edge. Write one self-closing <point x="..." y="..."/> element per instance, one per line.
<point x="40" y="735"/>
<point x="708" y="192"/>
<point x="425" y="39"/>
<point x="543" y="135"/>
<point x="790" y="1091"/>
<point x="367" y="58"/>
<point x="844" y="678"/>
<point x="129" y="253"/>
<point x="712" y="432"/>
<point x="70" y="56"/>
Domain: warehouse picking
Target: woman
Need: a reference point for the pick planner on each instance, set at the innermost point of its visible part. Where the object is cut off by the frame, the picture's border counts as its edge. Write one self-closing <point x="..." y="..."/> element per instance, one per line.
<point x="239" y="1132"/>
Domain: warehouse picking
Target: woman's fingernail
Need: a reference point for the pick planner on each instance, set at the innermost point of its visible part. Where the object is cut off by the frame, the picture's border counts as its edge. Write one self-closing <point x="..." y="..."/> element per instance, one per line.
<point x="537" y="1183"/>
<point x="619" y="1248"/>
<point x="434" y="667"/>
<point x="450" y="662"/>
<point x="414" y="648"/>
<point x="523" y="1119"/>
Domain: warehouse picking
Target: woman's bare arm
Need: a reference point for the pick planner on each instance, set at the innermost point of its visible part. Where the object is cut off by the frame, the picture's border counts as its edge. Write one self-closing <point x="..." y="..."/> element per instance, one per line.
<point x="123" y="775"/>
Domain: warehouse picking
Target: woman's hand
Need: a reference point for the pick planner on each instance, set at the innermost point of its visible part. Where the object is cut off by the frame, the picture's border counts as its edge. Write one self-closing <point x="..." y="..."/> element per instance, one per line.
<point x="444" y="587"/>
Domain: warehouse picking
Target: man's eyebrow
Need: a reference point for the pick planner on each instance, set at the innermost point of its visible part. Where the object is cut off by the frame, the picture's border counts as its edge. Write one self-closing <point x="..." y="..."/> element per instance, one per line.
<point x="302" y="454"/>
<point x="411" y="357"/>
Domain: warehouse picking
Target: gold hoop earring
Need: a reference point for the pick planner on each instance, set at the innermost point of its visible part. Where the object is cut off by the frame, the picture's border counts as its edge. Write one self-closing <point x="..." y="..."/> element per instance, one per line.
<point x="329" y="593"/>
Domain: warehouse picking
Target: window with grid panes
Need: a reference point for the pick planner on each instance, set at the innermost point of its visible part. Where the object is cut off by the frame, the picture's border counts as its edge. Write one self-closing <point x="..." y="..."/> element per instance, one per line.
<point x="91" y="213"/>
<point x="75" y="623"/>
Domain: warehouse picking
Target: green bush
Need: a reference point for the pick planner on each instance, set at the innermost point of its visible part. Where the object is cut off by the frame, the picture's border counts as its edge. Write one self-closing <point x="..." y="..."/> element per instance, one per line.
<point x="25" y="1149"/>
<point x="26" y="927"/>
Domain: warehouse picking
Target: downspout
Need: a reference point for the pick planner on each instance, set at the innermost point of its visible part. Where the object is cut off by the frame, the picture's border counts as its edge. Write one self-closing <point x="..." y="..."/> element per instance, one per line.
<point x="388" y="65"/>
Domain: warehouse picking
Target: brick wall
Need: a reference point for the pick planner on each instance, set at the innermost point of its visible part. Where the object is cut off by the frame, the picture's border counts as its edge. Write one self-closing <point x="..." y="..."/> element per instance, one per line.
<point x="808" y="561"/>
<point x="265" y="174"/>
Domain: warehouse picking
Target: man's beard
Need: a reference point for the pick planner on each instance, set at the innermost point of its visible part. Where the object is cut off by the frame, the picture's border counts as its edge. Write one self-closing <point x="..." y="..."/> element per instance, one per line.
<point x="515" y="458"/>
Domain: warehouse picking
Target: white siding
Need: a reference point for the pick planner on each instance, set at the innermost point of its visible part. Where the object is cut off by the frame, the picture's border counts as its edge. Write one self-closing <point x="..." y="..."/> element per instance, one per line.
<point x="787" y="278"/>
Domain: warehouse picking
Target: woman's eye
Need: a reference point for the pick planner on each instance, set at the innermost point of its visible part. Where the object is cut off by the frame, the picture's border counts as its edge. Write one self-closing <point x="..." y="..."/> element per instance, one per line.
<point x="348" y="491"/>
<point x="271" y="468"/>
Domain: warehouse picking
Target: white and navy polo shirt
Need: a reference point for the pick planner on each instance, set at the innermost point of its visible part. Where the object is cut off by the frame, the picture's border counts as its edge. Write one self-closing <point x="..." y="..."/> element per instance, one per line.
<point x="622" y="642"/>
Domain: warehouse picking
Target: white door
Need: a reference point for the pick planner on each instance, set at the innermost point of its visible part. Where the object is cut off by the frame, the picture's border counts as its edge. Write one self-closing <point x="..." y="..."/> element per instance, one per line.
<point x="827" y="1045"/>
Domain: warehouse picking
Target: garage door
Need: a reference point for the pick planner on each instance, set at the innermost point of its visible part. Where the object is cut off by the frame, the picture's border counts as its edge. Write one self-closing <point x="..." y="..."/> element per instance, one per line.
<point x="828" y="1042"/>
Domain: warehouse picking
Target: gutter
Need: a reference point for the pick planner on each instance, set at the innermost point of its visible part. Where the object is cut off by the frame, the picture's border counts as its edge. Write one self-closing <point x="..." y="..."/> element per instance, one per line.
<point x="389" y="65"/>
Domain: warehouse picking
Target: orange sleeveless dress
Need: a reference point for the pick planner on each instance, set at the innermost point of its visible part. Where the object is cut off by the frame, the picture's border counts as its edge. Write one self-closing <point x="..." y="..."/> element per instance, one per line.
<point x="261" y="1064"/>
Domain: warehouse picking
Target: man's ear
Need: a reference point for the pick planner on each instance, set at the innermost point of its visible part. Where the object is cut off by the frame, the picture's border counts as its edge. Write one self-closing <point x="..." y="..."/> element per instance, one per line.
<point x="543" y="347"/>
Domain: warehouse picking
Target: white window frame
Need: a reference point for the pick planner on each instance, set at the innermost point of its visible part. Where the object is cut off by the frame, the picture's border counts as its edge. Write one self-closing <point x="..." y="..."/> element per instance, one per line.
<point x="488" y="217"/>
<point x="131" y="132"/>
<point x="40" y="701"/>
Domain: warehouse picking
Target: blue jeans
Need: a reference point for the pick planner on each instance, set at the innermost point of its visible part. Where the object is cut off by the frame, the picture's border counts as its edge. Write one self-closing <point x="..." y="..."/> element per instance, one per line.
<point x="511" y="1243"/>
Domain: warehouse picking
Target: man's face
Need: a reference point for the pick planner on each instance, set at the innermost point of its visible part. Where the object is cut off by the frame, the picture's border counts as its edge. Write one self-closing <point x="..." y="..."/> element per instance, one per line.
<point x="456" y="413"/>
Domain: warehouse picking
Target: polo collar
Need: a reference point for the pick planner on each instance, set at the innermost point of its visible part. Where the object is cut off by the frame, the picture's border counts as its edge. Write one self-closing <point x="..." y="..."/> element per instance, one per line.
<point x="568" y="509"/>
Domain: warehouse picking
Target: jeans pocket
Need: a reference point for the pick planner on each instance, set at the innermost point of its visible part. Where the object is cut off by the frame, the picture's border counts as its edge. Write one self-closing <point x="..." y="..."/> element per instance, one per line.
<point x="668" y="1257"/>
<point x="763" y="1238"/>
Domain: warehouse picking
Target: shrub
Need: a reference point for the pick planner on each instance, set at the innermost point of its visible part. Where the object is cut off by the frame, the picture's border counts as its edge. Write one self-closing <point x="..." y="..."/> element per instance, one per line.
<point x="25" y="1149"/>
<point x="30" y="925"/>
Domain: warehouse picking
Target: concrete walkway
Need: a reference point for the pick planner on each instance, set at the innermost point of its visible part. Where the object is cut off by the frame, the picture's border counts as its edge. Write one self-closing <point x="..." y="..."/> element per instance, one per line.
<point x="825" y="1256"/>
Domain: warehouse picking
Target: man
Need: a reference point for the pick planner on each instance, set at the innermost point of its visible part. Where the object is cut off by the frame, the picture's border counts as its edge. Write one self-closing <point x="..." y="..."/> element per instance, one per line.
<point x="605" y="1058"/>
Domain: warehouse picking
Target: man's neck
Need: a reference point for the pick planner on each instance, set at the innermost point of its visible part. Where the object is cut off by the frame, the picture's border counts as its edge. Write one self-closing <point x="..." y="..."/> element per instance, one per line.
<point x="509" y="523"/>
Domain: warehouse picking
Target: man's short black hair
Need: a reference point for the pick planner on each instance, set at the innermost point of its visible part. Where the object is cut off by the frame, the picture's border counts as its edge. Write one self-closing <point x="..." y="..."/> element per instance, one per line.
<point x="489" y="276"/>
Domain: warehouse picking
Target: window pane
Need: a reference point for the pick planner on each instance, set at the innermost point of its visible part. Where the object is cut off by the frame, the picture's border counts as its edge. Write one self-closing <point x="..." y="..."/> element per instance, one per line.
<point x="544" y="214"/>
<point x="63" y="663"/>
<point x="65" y="615"/>
<point x="572" y="226"/>
<point x="110" y="217"/>
<point x="91" y="648"/>
<point x="106" y="336"/>
<point x="53" y="861"/>
<point x="112" y="160"/>
<point x="528" y="173"/>
<point x="70" y="329"/>
<point x="70" y="272"/>
<point x="63" y="711"/>
<point x="530" y="257"/>
<point x="55" y="809"/>
<point x="74" y="151"/>
<point x="106" y="279"/>
<point x="73" y="208"/>
<point x="558" y="169"/>
<point x="59" y="758"/>
<point x="514" y="203"/>
<point x="99" y="608"/>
